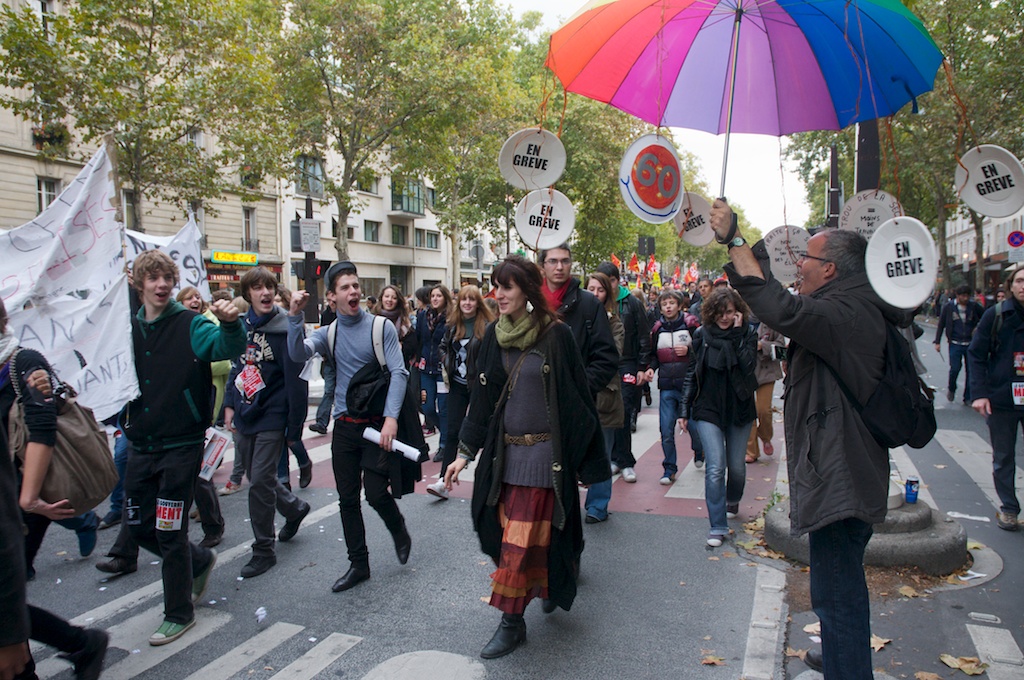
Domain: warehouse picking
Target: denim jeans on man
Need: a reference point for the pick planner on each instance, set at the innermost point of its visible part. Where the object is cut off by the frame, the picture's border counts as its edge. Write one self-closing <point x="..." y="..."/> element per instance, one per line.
<point x="121" y="463"/>
<point x="958" y="356"/>
<point x="839" y="596"/>
<point x="323" y="411"/>
<point x="724" y="451"/>
<point x="668" y="413"/>
<point x="1002" y="428"/>
<point x="600" y="494"/>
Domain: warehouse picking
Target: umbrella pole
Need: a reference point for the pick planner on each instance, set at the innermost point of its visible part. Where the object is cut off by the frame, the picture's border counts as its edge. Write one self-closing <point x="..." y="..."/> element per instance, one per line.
<point x="732" y="95"/>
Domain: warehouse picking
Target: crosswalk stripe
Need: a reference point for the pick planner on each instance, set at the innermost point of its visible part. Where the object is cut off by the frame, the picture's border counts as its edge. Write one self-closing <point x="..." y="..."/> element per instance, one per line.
<point x="689" y="483"/>
<point x="974" y="455"/>
<point x="318" y="658"/>
<point x="765" y="624"/>
<point x="906" y="468"/>
<point x="997" y="648"/>
<point x="246" y="653"/>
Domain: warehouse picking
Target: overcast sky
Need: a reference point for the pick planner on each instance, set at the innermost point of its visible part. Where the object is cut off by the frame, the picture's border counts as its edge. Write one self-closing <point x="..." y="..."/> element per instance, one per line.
<point x="754" y="180"/>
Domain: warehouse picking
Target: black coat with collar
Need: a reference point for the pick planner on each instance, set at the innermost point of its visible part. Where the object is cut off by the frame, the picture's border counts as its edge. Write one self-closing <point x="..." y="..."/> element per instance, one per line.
<point x="588" y="321"/>
<point x="578" y="450"/>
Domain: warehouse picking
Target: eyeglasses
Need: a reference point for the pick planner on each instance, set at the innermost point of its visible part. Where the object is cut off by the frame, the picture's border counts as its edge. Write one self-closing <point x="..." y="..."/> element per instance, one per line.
<point x="552" y="262"/>
<point x="804" y="255"/>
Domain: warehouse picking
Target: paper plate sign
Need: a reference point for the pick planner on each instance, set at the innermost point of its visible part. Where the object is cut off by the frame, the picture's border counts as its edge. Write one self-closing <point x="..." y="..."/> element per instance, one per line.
<point x="532" y="159"/>
<point x="545" y="218"/>
<point x="785" y="245"/>
<point x="866" y="211"/>
<point x="650" y="179"/>
<point x="901" y="262"/>
<point x="693" y="221"/>
<point x="990" y="180"/>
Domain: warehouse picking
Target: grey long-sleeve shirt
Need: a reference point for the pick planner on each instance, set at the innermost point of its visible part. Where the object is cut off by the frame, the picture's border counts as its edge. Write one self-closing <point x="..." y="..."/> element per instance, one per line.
<point x="353" y="349"/>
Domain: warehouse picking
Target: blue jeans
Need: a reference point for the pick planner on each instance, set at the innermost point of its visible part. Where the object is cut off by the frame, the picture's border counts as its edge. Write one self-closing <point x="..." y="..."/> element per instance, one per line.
<point x="839" y="595"/>
<point x="600" y="494"/>
<point x="668" y="414"/>
<point x="958" y="355"/>
<point x="723" y="451"/>
<point x="301" y="456"/>
<point x="1002" y="430"/>
<point x="323" y="411"/>
<point x="435" y="410"/>
<point x="121" y="463"/>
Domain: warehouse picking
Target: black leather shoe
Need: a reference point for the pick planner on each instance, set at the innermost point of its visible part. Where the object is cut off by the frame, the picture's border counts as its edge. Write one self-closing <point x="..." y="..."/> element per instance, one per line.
<point x="353" y="577"/>
<point x="403" y="544"/>
<point x="510" y="634"/>
<point x="211" y="540"/>
<point x="118" y="566"/>
<point x="291" y="527"/>
<point x="548" y="606"/>
<point x="813" y="660"/>
<point x="305" y="475"/>
<point x="88" y="660"/>
<point x="259" y="564"/>
<point x="318" y="428"/>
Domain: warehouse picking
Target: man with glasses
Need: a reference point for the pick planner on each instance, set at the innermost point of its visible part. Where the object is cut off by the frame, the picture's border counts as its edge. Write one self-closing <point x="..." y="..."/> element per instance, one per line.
<point x="587" y="319"/>
<point x="838" y="473"/>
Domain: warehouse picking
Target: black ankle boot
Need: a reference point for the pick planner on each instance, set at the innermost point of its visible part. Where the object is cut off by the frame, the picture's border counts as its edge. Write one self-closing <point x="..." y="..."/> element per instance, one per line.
<point x="510" y="634"/>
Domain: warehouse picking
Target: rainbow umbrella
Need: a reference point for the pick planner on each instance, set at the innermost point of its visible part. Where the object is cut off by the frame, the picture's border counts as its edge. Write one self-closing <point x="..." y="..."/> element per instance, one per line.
<point x="760" y="66"/>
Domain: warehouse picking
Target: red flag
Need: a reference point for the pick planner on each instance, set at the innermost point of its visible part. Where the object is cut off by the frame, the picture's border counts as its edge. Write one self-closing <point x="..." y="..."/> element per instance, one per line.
<point x="692" y="274"/>
<point x="675" y="276"/>
<point x="651" y="266"/>
<point x="616" y="261"/>
<point x="634" y="264"/>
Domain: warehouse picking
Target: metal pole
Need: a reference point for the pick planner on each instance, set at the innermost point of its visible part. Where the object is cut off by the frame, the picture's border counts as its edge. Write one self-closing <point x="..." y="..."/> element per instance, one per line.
<point x="732" y="95"/>
<point x="508" y="226"/>
<point x="312" y="311"/>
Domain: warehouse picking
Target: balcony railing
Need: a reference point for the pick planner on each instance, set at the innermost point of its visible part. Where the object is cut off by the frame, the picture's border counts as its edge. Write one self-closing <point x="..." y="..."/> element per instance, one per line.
<point x="250" y="245"/>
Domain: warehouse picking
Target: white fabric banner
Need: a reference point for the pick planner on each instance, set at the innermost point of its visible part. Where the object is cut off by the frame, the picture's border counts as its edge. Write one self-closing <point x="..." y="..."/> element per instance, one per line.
<point x="185" y="248"/>
<point x="63" y="284"/>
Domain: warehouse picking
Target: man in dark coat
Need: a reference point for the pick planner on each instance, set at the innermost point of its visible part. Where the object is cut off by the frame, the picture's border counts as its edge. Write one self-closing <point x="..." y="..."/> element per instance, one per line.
<point x="958" y="320"/>
<point x="838" y="472"/>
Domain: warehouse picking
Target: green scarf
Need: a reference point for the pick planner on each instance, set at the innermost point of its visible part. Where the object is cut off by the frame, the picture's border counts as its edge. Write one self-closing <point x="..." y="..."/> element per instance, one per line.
<point x="520" y="334"/>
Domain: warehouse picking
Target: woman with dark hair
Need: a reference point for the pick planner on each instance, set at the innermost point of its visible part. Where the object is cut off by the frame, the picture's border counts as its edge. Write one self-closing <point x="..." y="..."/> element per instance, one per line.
<point x="467" y="323"/>
<point x="718" y="395"/>
<point x="534" y="420"/>
<point x="391" y="305"/>
<point x="431" y="325"/>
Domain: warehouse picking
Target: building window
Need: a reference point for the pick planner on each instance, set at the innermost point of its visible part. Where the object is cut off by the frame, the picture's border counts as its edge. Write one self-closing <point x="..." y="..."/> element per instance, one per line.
<point x="48" y="190"/>
<point x="432" y="240"/>
<point x="421" y="238"/>
<point x="249" y="234"/>
<point x="399" y="234"/>
<point x="128" y="207"/>
<point x="407" y="195"/>
<point x="195" y="137"/>
<point x="309" y="176"/>
<point x="371" y="231"/>
<point x="369" y="185"/>
<point x="351" y="232"/>
<point x="44" y="8"/>
<point x="431" y="198"/>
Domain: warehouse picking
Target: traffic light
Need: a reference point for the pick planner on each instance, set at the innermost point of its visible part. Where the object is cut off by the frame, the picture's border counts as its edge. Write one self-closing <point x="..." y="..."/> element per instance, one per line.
<point x="320" y="268"/>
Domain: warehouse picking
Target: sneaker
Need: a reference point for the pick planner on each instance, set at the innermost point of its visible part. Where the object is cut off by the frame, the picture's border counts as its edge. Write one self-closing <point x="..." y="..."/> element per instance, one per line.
<point x="119" y="566"/>
<point x="438" y="489"/>
<point x="259" y="564"/>
<point x="731" y="510"/>
<point x="291" y="527"/>
<point x="169" y="632"/>
<point x="714" y="540"/>
<point x="199" y="583"/>
<point x="109" y="520"/>
<point x="88" y="661"/>
<point x="698" y="461"/>
<point x="615" y="469"/>
<point x="591" y="519"/>
<point x="665" y="481"/>
<point x="1007" y="521"/>
<point x="229" y="489"/>
<point x="318" y="428"/>
<point x="629" y="475"/>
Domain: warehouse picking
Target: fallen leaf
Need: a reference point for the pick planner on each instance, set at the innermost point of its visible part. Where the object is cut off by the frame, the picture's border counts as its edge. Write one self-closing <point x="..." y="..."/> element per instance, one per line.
<point x="760" y="498"/>
<point x="798" y="653"/>
<point x="975" y="545"/>
<point x="747" y="545"/>
<point x="925" y="675"/>
<point x="713" y="661"/>
<point x="907" y="591"/>
<point x="728" y="554"/>
<point x="970" y="665"/>
<point x="751" y="564"/>
<point x="813" y="628"/>
<point x="878" y="642"/>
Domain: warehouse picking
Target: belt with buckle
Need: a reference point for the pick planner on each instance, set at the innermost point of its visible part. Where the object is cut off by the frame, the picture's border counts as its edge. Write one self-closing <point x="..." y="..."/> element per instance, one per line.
<point x="527" y="439"/>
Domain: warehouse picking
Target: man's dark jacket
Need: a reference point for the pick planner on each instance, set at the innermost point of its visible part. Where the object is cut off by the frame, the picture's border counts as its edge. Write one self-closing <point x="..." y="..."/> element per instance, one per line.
<point x="588" y="320"/>
<point x="636" y="349"/>
<point x="956" y="328"/>
<point x="993" y="374"/>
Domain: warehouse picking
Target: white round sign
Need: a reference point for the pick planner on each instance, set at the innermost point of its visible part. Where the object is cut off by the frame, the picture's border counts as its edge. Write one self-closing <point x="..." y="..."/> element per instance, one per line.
<point x="785" y="245"/>
<point x="651" y="179"/>
<point x="532" y="159"/>
<point x="901" y="262"/>
<point x="693" y="221"/>
<point x="990" y="180"/>
<point x="545" y="218"/>
<point x="865" y="211"/>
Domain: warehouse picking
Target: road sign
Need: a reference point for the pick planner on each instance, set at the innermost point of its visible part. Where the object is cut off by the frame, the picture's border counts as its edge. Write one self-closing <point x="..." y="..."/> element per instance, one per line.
<point x="310" y="235"/>
<point x="1015" y="239"/>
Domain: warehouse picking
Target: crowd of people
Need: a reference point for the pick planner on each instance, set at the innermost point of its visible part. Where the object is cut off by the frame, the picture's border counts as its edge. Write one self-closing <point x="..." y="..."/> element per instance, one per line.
<point x="538" y="384"/>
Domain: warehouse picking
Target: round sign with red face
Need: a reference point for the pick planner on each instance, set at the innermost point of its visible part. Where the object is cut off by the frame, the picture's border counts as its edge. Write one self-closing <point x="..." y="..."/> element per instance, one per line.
<point x="651" y="180"/>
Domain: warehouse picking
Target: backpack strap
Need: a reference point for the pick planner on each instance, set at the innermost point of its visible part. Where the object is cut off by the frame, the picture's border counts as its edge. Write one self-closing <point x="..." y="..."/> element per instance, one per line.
<point x="378" y="341"/>
<point x="332" y="338"/>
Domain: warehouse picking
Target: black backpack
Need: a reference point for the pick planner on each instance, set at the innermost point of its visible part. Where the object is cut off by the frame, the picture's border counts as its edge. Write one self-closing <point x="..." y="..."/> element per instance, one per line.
<point x="901" y="410"/>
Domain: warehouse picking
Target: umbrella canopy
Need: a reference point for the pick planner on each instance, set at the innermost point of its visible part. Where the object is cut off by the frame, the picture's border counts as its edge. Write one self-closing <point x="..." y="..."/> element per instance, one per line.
<point x="759" y="66"/>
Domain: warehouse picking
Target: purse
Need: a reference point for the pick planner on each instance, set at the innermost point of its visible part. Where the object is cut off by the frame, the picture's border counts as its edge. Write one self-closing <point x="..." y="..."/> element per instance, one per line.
<point x="82" y="467"/>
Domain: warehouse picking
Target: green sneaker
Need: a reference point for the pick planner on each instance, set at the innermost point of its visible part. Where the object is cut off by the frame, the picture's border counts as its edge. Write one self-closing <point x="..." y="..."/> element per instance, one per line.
<point x="169" y="632"/>
<point x="202" y="579"/>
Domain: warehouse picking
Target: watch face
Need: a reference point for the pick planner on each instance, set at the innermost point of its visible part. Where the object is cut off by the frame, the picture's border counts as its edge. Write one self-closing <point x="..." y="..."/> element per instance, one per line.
<point x="738" y="241"/>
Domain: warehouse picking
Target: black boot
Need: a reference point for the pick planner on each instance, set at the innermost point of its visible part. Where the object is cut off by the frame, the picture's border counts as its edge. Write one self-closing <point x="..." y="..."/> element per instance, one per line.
<point x="510" y="634"/>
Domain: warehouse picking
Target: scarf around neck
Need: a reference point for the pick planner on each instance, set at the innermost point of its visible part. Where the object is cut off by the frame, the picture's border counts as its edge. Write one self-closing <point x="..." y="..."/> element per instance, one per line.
<point x="520" y="334"/>
<point x="8" y="343"/>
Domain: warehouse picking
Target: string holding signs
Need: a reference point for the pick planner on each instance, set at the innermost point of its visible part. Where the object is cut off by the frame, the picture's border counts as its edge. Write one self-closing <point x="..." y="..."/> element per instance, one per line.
<point x="785" y="245"/>
<point x="693" y="221"/>
<point x="901" y="262"/>
<point x="650" y="179"/>
<point x="545" y="218"/>
<point x="867" y="210"/>
<point x="990" y="180"/>
<point x="533" y="158"/>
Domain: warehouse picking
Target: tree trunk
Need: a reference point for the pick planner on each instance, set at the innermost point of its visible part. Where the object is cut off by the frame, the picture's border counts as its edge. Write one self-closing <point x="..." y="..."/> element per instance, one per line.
<point x="456" y="259"/>
<point x="946" y="271"/>
<point x="979" y="251"/>
<point x="341" y="243"/>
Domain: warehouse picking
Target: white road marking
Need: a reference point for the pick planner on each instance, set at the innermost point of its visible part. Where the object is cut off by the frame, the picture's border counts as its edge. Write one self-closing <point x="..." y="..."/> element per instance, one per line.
<point x="997" y="648"/>
<point x="766" y="624"/>
<point x="318" y="658"/>
<point x="243" y="655"/>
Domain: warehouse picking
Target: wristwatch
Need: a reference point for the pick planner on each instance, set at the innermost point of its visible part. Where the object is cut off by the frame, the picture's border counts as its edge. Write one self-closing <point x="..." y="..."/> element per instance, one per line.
<point x="738" y="241"/>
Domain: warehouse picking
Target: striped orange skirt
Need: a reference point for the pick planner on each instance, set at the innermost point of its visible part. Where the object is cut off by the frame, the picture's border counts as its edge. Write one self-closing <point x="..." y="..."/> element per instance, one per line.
<point x="522" y="574"/>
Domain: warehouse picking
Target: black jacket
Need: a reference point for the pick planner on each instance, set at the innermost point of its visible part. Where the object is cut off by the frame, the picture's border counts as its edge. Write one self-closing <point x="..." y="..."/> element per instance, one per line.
<point x="579" y="453"/>
<point x="588" y="321"/>
<point x="449" y="353"/>
<point x="993" y="374"/>
<point x="636" y="349"/>
<point x="958" y="328"/>
<point x="429" y="343"/>
<point x="717" y="396"/>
